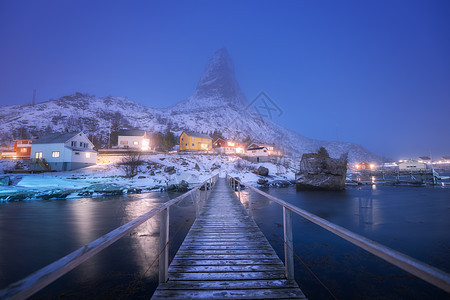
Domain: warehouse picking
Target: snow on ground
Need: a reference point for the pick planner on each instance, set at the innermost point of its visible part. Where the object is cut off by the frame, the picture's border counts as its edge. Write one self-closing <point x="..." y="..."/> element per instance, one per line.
<point x="45" y="181"/>
<point x="152" y="174"/>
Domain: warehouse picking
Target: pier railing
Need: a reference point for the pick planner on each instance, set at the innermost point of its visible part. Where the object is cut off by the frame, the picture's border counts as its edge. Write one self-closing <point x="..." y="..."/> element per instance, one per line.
<point x="43" y="277"/>
<point x="411" y="265"/>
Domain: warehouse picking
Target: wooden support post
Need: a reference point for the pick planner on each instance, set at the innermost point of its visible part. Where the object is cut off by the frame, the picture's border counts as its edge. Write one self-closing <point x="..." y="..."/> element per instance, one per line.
<point x="197" y="202"/>
<point x="288" y="244"/>
<point x="239" y="191"/>
<point x="250" y="211"/>
<point x="205" y="195"/>
<point x="164" y="247"/>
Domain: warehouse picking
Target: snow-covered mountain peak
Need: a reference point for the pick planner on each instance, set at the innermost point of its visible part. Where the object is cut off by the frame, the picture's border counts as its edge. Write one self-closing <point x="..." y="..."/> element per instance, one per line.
<point x="217" y="104"/>
<point x="217" y="86"/>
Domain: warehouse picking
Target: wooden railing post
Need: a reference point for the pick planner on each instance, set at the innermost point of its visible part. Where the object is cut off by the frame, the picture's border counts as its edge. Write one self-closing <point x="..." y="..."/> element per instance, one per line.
<point x="239" y="191"/>
<point x="197" y="202"/>
<point x="288" y="244"/>
<point x="164" y="246"/>
<point x="250" y="211"/>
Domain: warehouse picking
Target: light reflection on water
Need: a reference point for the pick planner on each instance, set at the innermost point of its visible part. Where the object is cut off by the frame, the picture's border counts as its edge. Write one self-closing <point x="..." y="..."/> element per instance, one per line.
<point x="36" y="233"/>
<point x="411" y="220"/>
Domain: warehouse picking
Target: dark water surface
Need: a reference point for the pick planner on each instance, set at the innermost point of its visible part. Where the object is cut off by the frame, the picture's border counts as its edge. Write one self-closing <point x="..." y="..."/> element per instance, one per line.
<point x="415" y="221"/>
<point x="412" y="220"/>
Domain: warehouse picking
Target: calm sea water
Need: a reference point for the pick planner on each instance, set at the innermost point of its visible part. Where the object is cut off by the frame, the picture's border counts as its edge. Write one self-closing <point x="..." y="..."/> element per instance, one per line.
<point x="413" y="220"/>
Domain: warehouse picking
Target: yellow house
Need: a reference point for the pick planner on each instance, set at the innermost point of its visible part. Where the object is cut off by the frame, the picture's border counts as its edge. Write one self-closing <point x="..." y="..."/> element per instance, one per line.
<point x="193" y="141"/>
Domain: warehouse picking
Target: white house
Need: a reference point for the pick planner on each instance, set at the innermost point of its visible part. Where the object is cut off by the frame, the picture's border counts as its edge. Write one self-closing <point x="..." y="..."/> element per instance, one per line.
<point x="133" y="139"/>
<point x="407" y="165"/>
<point x="63" y="152"/>
<point x="258" y="154"/>
<point x="272" y="150"/>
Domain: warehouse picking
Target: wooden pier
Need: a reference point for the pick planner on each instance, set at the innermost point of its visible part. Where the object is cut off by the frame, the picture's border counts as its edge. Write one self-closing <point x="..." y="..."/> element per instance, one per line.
<point x="225" y="255"/>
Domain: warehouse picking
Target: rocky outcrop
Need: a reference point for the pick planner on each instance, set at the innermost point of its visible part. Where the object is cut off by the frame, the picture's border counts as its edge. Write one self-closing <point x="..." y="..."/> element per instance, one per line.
<point x="321" y="172"/>
<point x="263" y="171"/>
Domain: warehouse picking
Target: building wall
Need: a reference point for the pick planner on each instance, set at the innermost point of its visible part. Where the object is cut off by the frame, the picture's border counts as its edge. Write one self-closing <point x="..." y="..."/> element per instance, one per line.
<point x="259" y="152"/>
<point x="228" y="147"/>
<point x="61" y="156"/>
<point x="411" y="165"/>
<point x="85" y="157"/>
<point x="49" y="151"/>
<point x="81" y="141"/>
<point x="258" y="159"/>
<point x="194" y="143"/>
<point x="130" y="141"/>
<point x="22" y="148"/>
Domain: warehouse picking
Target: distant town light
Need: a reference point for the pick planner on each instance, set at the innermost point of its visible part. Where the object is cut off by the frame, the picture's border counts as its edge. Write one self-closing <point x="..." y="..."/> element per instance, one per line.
<point x="372" y="166"/>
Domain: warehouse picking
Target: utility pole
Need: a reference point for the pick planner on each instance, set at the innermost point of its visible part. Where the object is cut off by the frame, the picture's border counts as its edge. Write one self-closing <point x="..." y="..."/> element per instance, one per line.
<point x="34" y="97"/>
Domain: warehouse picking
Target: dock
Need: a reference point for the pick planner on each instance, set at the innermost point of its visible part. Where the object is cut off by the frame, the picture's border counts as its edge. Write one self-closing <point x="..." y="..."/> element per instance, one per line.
<point x="225" y="255"/>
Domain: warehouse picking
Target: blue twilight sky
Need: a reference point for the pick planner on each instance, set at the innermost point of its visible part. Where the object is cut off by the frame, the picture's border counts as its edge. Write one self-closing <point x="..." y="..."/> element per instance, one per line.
<point x="372" y="72"/>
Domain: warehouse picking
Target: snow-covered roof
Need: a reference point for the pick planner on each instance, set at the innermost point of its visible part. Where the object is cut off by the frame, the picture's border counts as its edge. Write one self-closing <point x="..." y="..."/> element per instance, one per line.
<point x="196" y="134"/>
<point x="57" y="137"/>
<point x="257" y="148"/>
<point x="218" y="140"/>
<point x="131" y="132"/>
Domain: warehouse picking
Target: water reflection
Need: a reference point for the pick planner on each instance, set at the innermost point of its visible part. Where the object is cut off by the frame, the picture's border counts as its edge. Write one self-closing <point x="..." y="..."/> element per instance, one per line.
<point x="365" y="212"/>
<point x="145" y="238"/>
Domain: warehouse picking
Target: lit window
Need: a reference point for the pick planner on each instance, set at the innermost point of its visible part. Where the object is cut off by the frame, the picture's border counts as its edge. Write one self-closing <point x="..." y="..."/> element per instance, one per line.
<point x="88" y="155"/>
<point x="230" y="144"/>
<point x="124" y="142"/>
<point x="135" y="143"/>
<point x="23" y="150"/>
<point x="55" y="154"/>
<point x="38" y="155"/>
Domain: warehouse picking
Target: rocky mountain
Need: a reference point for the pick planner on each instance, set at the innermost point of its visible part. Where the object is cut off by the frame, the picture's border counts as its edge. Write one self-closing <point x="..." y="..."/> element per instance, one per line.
<point x="217" y="104"/>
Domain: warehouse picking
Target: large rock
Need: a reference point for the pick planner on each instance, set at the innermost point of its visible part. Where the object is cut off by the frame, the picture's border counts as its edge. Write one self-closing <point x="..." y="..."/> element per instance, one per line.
<point x="183" y="186"/>
<point x="321" y="172"/>
<point x="170" y="170"/>
<point x="263" y="171"/>
<point x="5" y="180"/>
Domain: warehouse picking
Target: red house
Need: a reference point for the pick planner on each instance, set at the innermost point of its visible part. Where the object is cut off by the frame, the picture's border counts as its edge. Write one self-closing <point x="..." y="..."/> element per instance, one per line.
<point x="364" y="166"/>
<point x="228" y="147"/>
<point x="22" y="149"/>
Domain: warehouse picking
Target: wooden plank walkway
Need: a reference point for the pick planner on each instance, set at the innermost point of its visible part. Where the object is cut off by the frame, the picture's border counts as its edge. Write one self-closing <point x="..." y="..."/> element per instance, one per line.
<point x="225" y="255"/>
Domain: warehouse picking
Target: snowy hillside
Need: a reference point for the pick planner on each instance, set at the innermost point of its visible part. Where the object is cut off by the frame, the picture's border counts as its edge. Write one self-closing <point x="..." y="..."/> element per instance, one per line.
<point x="217" y="104"/>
